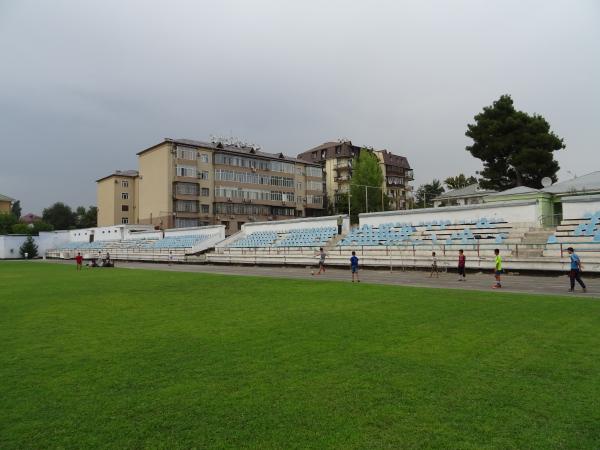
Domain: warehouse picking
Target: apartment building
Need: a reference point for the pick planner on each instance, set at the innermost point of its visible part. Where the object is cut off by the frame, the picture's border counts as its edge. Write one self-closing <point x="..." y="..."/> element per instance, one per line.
<point x="5" y="203"/>
<point x="116" y="198"/>
<point x="336" y="159"/>
<point x="186" y="183"/>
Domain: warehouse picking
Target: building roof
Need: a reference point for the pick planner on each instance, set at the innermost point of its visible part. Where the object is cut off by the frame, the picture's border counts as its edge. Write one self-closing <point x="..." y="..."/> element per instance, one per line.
<point x="6" y="198"/>
<point x="30" y="218"/>
<point x="230" y="149"/>
<point x="120" y="173"/>
<point x="394" y="160"/>
<point x="471" y="190"/>
<point x="516" y="190"/>
<point x="585" y="183"/>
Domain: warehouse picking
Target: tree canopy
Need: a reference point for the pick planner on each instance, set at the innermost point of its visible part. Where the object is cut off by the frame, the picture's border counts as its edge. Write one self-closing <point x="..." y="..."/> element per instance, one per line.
<point x="16" y="209"/>
<point x="459" y="181"/>
<point x="366" y="171"/>
<point x="60" y="216"/>
<point x="29" y="249"/>
<point x="516" y="148"/>
<point x="427" y="192"/>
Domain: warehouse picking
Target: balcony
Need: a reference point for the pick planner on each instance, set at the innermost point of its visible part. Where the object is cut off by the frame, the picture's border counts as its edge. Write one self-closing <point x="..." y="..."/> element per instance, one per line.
<point x="409" y="175"/>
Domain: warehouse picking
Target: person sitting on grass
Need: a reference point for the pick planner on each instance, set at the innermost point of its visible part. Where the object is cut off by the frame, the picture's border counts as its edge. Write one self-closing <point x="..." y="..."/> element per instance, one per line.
<point x="497" y="269"/>
<point x="354" y="267"/>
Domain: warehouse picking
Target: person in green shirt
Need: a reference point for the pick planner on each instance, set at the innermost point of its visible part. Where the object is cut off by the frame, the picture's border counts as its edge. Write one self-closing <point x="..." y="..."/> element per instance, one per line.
<point x="498" y="269"/>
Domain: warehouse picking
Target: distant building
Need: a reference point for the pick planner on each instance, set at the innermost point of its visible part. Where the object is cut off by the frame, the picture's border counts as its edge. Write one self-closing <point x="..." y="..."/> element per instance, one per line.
<point x="30" y="218"/>
<point x="187" y="183"/>
<point x="5" y="203"/>
<point x="116" y="198"/>
<point x="336" y="158"/>
<point x="469" y="195"/>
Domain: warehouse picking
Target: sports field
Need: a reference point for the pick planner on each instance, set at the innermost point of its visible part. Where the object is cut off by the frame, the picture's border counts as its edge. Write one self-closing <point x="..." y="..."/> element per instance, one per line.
<point x="117" y="358"/>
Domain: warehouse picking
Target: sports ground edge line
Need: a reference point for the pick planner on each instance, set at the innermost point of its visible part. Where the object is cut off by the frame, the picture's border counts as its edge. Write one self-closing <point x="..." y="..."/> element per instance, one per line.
<point x="509" y="290"/>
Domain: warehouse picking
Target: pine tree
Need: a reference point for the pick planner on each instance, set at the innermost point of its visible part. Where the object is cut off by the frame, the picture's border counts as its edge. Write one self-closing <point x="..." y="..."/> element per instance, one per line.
<point x="29" y="248"/>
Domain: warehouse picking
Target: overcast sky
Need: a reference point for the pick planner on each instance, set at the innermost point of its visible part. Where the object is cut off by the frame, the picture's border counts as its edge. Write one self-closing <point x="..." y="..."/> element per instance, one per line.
<point x="84" y="85"/>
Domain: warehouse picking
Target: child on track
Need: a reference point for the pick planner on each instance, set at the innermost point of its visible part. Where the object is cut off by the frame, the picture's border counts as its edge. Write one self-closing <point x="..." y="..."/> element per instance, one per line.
<point x="434" y="267"/>
<point x="354" y="267"/>
<point x="575" y="272"/>
<point x="322" y="256"/>
<point x="462" y="262"/>
<point x="497" y="269"/>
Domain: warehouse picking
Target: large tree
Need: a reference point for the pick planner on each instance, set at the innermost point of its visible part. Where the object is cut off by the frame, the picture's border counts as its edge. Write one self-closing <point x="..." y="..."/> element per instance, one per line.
<point x="60" y="216"/>
<point x="427" y="192"/>
<point x="459" y="181"/>
<point x="86" y="218"/>
<point x="367" y="184"/>
<point x="7" y="220"/>
<point x="516" y="148"/>
<point x="16" y="209"/>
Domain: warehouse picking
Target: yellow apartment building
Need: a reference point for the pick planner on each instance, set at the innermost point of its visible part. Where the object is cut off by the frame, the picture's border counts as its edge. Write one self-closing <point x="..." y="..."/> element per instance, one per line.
<point x="5" y="203"/>
<point x="186" y="183"/>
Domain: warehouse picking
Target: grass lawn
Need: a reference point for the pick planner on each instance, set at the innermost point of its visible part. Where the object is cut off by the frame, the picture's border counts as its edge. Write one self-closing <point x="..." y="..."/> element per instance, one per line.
<point x="147" y="359"/>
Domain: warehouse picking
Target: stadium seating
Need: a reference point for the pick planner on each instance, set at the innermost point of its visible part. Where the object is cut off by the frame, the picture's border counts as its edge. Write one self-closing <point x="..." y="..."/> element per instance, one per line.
<point x="283" y="238"/>
<point x="581" y="233"/>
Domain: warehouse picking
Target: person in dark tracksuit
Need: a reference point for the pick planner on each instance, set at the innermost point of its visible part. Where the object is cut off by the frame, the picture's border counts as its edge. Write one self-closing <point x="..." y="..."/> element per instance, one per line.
<point x="575" y="272"/>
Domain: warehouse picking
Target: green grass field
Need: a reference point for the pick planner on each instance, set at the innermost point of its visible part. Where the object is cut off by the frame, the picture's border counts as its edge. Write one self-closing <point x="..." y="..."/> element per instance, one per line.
<point x="147" y="359"/>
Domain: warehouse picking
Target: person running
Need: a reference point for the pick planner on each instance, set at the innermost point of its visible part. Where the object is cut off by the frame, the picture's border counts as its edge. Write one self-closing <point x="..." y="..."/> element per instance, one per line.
<point x="462" y="262"/>
<point x="322" y="256"/>
<point x="170" y="257"/>
<point x="575" y="272"/>
<point x="434" y="267"/>
<point x="79" y="261"/>
<point x="354" y="267"/>
<point x="497" y="269"/>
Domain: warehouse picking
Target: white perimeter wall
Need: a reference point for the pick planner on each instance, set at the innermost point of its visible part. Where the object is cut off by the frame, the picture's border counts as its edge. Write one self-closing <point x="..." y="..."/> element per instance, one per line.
<point x="575" y="207"/>
<point x="296" y="224"/>
<point x="515" y="212"/>
<point x="49" y="240"/>
<point x="9" y="246"/>
<point x="216" y="230"/>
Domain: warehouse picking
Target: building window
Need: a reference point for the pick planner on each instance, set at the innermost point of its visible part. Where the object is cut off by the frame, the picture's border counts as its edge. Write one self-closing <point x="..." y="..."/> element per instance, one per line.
<point x="186" y="188"/>
<point x="186" y="171"/>
<point x="203" y="175"/>
<point x="205" y="192"/>
<point x="204" y="209"/>
<point x="186" y="206"/>
<point x="314" y="186"/>
<point x="125" y="183"/>
<point x="312" y="171"/>
<point x="185" y="222"/>
<point x="203" y="158"/>
<point x="124" y="220"/>
<point x="299" y="185"/>
<point x="124" y="208"/>
<point x="186" y="153"/>
<point x="124" y="195"/>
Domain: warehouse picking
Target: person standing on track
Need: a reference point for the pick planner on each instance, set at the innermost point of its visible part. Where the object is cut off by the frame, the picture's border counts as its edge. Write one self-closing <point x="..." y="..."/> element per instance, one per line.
<point x="354" y="266"/>
<point x="462" y="262"/>
<point x="497" y="269"/>
<point x="322" y="256"/>
<point x="575" y="272"/>
<point x="434" y="266"/>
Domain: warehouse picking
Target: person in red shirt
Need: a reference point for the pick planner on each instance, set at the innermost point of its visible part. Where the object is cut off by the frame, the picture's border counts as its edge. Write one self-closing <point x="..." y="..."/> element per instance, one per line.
<point x="462" y="260"/>
<point x="79" y="260"/>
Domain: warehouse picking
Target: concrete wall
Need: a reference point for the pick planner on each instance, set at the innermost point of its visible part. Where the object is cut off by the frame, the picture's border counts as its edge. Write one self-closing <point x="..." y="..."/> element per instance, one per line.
<point x="218" y="230"/>
<point x="515" y="212"/>
<point x="10" y="244"/>
<point x="576" y="206"/>
<point x="295" y="224"/>
<point x="49" y="240"/>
